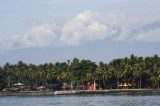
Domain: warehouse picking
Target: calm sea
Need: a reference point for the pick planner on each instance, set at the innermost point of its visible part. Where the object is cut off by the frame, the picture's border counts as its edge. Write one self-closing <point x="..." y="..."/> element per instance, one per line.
<point x="82" y="100"/>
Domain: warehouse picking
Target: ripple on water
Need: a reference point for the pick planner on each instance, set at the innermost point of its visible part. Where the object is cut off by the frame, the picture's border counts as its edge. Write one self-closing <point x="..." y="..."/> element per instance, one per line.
<point x="82" y="100"/>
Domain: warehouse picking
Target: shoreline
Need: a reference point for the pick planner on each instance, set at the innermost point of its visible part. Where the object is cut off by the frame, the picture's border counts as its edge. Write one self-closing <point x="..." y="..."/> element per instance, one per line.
<point x="28" y="93"/>
<point x="75" y="92"/>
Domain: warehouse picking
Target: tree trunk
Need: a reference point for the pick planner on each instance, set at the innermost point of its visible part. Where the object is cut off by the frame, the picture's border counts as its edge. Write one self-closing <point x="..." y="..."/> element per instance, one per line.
<point x="104" y="84"/>
<point x="140" y="82"/>
<point x="9" y="82"/>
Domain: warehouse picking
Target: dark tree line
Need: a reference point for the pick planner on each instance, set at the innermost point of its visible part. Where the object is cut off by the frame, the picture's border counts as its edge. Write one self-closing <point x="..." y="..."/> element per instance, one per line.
<point x="141" y="72"/>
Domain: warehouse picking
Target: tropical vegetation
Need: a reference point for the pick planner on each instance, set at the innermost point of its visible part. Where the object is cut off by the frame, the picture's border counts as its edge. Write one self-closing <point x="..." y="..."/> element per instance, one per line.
<point x="140" y="72"/>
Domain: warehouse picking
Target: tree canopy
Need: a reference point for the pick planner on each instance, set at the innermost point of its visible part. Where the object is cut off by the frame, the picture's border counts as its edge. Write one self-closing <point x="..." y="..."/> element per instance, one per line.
<point x="140" y="72"/>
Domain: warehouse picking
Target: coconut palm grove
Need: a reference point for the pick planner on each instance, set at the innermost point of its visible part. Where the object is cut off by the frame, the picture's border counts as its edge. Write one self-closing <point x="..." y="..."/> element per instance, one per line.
<point x="139" y="72"/>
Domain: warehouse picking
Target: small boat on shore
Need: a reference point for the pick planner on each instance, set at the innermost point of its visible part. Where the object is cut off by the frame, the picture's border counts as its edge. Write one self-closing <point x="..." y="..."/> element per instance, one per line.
<point x="65" y="92"/>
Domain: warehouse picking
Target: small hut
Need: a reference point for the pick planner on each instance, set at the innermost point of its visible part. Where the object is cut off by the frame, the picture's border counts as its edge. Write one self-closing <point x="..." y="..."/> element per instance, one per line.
<point x="41" y="88"/>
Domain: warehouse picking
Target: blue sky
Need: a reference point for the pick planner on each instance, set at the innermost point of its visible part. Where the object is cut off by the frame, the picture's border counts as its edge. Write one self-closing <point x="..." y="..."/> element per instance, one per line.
<point x="39" y="31"/>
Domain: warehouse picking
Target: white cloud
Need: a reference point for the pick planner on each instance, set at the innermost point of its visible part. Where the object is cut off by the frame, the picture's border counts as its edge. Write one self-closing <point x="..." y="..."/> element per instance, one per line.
<point x="150" y="36"/>
<point x="40" y="36"/>
<point x="133" y="29"/>
<point x="84" y="27"/>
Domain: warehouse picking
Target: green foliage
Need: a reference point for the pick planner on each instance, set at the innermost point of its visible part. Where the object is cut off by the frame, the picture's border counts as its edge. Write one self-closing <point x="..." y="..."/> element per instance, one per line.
<point x="2" y="79"/>
<point x="141" y="72"/>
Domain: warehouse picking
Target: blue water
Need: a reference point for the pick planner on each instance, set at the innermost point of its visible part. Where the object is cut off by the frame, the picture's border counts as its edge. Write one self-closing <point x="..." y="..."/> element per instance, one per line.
<point x="81" y="100"/>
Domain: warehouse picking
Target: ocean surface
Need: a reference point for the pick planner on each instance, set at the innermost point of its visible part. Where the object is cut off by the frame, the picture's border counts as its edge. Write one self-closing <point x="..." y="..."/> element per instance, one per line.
<point x="82" y="100"/>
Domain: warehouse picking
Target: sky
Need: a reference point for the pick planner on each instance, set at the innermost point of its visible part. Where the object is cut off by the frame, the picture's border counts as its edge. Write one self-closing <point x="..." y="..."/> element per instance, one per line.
<point x="40" y="31"/>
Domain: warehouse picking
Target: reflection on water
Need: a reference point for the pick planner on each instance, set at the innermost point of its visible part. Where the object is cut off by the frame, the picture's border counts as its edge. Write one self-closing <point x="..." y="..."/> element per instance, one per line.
<point x="82" y="100"/>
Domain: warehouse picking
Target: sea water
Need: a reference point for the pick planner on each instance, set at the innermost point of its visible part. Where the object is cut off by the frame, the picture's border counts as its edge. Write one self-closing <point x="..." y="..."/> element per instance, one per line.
<point x="81" y="100"/>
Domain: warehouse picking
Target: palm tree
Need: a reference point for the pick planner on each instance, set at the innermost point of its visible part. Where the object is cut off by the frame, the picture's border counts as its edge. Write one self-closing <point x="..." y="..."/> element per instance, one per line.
<point x="106" y="75"/>
<point x="8" y="70"/>
<point x="98" y="75"/>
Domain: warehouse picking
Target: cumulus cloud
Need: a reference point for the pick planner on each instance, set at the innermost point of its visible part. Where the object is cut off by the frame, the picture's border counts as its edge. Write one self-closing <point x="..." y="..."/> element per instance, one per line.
<point x="87" y="26"/>
<point x="149" y="36"/>
<point x="84" y="27"/>
<point x="133" y="29"/>
<point x="147" y="31"/>
<point x="39" y="36"/>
